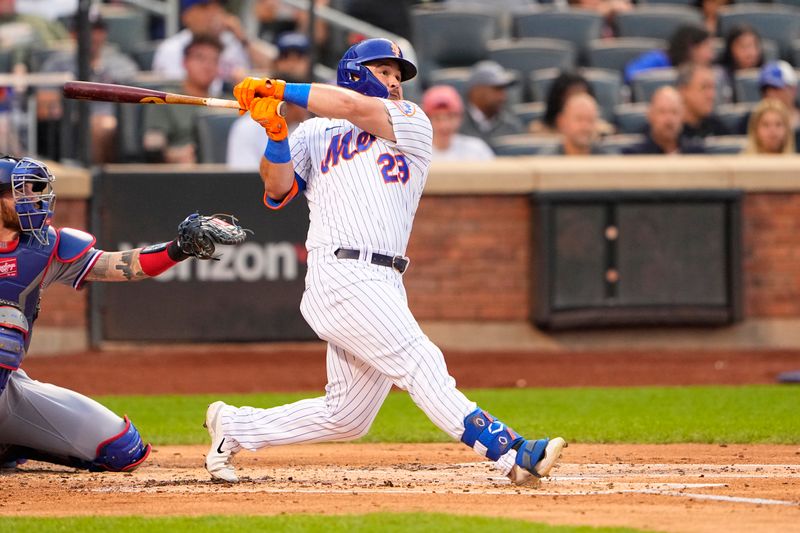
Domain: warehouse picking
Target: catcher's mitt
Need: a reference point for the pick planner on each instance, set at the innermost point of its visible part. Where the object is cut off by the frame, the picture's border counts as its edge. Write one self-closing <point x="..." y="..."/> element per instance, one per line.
<point x="198" y="234"/>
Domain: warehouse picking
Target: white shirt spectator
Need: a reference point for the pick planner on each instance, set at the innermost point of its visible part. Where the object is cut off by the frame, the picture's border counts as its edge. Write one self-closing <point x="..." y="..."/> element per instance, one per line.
<point x="464" y="148"/>
<point x="168" y="59"/>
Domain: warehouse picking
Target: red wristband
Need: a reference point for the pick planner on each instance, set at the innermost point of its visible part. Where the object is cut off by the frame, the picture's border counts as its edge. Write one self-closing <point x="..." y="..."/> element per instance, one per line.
<point x="156" y="259"/>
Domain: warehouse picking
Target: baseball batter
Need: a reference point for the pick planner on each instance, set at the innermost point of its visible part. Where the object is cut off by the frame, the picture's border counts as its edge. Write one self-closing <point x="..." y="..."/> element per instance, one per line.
<point x="362" y="165"/>
<point x="38" y="420"/>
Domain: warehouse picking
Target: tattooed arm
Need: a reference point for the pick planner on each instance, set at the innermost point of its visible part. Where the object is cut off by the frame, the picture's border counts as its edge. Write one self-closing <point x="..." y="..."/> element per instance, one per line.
<point x="118" y="266"/>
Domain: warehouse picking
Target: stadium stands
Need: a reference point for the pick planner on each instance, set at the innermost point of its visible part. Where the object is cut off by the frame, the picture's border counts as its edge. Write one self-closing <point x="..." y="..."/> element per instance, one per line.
<point x="532" y="54"/>
<point x="523" y="144"/>
<point x="212" y="131"/>
<point x="656" y="21"/>
<point x="614" y="54"/>
<point x="577" y="26"/>
<point x="778" y="23"/>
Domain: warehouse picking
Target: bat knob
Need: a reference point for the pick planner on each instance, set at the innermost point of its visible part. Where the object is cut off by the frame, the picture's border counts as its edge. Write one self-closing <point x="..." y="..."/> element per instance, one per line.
<point x="282" y="109"/>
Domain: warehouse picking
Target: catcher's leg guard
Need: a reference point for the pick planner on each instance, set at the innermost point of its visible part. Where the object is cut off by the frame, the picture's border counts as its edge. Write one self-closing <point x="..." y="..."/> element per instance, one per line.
<point x="487" y="436"/>
<point x="122" y="452"/>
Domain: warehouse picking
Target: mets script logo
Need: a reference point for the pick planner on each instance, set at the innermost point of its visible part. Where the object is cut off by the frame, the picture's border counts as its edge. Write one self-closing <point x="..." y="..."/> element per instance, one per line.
<point x="8" y="267"/>
<point x="406" y="108"/>
<point x="341" y="146"/>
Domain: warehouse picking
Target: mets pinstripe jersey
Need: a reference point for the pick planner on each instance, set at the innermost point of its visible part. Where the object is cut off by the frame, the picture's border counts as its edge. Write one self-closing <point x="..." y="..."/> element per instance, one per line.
<point x="363" y="190"/>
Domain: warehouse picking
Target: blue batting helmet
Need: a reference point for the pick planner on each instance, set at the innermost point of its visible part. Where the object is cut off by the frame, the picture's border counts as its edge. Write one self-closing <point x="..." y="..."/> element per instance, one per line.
<point x="352" y="73"/>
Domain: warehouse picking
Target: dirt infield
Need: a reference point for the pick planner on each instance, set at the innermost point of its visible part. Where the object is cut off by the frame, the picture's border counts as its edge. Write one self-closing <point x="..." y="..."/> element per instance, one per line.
<point x="750" y="488"/>
<point x="664" y="488"/>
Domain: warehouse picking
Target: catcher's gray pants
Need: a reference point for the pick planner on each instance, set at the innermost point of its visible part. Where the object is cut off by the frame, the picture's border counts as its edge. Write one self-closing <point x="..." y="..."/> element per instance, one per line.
<point x="374" y="342"/>
<point x="54" y="420"/>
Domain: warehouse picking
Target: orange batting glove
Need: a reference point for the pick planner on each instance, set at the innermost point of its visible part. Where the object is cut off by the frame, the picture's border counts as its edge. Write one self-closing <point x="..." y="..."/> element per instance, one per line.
<point x="265" y="111"/>
<point x="249" y="88"/>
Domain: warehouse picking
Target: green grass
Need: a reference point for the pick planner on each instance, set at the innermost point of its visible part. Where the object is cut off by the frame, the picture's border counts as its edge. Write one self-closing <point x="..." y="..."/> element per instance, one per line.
<point x="383" y="522"/>
<point x="750" y="414"/>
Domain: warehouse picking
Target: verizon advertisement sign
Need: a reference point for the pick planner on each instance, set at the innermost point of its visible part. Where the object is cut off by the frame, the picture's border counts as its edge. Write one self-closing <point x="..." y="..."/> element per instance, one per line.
<point x="252" y="293"/>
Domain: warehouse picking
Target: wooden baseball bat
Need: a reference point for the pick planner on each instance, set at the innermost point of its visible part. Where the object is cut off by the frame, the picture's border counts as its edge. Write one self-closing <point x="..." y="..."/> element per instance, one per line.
<point x="109" y="92"/>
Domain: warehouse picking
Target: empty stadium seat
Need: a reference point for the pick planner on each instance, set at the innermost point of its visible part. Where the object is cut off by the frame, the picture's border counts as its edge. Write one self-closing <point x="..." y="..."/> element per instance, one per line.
<point x="451" y="37"/>
<point x="527" y="55"/>
<point x="606" y="86"/>
<point x="656" y="21"/>
<point x="616" y="143"/>
<point x="645" y="83"/>
<point x="631" y="118"/>
<point x="6" y="58"/>
<point x="127" y="26"/>
<point x="455" y="77"/>
<point x="725" y="144"/>
<point x="745" y="86"/>
<point x="143" y="54"/>
<point x="578" y="26"/>
<point x="614" y="54"/>
<point x="523" y="144"/>
<point x="528" y="112"/>
<point x="778" y="23"/>
<point x="212" y="131"/>
<point x="734" y="115"/>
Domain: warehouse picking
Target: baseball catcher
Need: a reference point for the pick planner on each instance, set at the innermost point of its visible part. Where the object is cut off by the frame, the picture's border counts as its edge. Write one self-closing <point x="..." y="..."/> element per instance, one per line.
<point x="42" y="421"/>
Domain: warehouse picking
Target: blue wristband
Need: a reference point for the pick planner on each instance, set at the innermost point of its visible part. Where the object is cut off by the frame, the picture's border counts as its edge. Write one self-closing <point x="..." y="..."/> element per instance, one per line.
<point x="297" y="93"/>
<point x="278" y="151"/>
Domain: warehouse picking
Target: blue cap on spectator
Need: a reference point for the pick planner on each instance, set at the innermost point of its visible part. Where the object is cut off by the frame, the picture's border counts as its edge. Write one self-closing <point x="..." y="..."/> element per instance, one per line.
<point x="778" y="74"/>
<point x="292" y="41"/>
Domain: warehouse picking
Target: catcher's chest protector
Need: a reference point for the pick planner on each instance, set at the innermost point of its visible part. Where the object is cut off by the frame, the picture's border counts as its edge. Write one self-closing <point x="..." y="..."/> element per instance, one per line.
<point x="21" y="273"/>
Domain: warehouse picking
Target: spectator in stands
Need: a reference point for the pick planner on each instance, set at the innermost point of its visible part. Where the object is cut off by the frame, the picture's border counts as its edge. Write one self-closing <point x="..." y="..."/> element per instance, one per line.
<point x="665" y="119"/>
<point x="698" y="91"/>
<point x="577" y="126"/>
<point x="445" y="109"/>
<point x="19" y="32"/>
<point x="169" y="129"/>
<point x="710" y="10"/>
<point x="275" y="17"/>
<point x="689" y="44"/>
<point x="608" y="9"/>
<point x="779" y="80"/>
<point x="566" y="84"/>
<point x="107" y="65"/>
<point x="769" y="129"/>
<point x="293" y="60"/>
<point x="208" y="17"/>
<point x="742" y="51"/>
<point x="487" y="94"/>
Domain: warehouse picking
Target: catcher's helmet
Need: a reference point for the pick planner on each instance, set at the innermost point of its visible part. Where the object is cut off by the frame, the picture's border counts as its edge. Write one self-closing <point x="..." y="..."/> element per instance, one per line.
<point x="32" y="184"/>
<point x="7" y="164"/>
<point x="354" y="75"/>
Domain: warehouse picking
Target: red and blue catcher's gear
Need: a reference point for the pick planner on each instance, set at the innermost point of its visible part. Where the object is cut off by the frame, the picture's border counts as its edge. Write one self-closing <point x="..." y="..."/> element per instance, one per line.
<point x="352" y="73"/>
<point x="122" y="452"/>
<point x="22" y="269"/>
<point x="32" y="184"/>
<point x="13" y="332"/>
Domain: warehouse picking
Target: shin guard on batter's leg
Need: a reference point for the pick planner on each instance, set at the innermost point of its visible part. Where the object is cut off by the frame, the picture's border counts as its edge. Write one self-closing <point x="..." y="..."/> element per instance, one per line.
<point x="523" y="461"/>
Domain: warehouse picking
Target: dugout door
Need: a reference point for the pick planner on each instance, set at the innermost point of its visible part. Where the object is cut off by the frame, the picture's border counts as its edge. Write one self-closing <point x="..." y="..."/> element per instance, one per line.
<point x="629" y="258"/>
